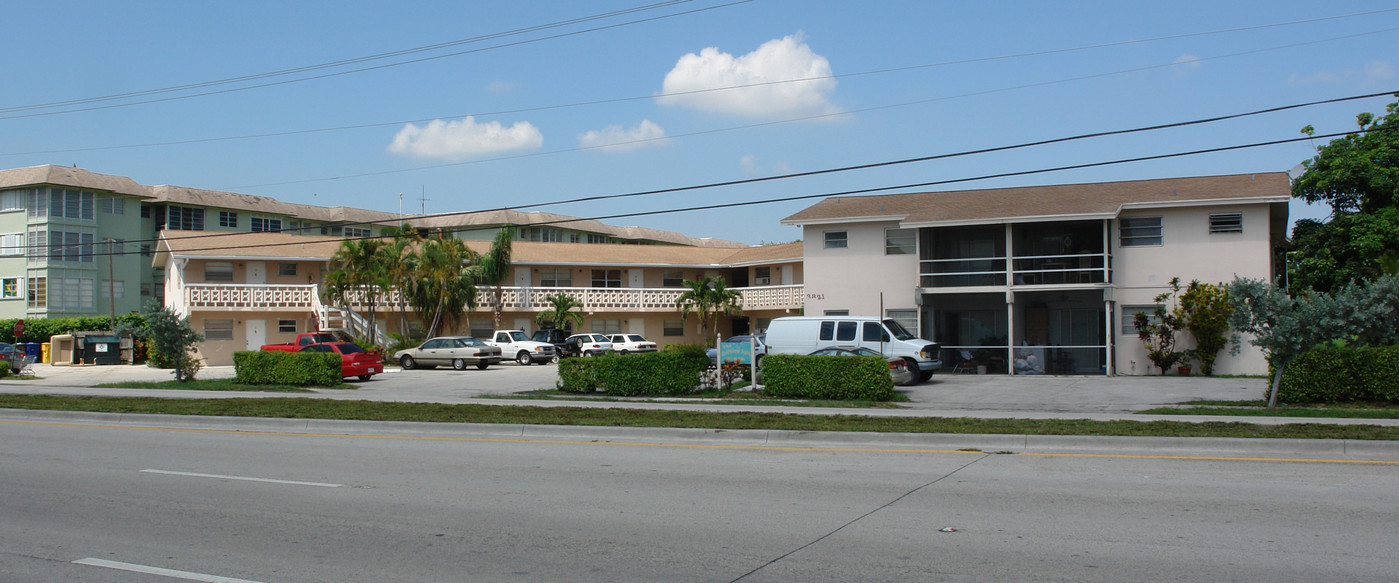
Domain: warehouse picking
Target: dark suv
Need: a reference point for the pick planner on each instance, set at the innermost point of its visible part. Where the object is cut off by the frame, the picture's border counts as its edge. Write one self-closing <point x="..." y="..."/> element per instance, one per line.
<point x="559" y="338"/>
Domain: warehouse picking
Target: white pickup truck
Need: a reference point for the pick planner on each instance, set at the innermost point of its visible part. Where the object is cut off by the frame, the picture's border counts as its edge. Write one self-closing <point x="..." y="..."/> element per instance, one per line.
<point x="515" y="344"/>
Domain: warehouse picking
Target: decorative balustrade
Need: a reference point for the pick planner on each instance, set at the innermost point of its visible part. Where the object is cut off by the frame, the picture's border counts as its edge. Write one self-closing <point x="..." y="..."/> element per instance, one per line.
<point x="250" y="296"/>
<point x="520" y="299"/>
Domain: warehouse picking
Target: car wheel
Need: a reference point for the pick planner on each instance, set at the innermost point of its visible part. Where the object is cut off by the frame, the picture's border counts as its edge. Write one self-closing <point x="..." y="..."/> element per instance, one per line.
<point x="555" y="359"/>
<point x="481" y="365"/>
<point x="459" y="363"/>
<point x="924" y="376"/>
<point x="624" y="353"/>
<point x="522" y="358"/>
<point x="407" y="362"/>
<point x="365" y="377"/>
<point x="916" y="377"/>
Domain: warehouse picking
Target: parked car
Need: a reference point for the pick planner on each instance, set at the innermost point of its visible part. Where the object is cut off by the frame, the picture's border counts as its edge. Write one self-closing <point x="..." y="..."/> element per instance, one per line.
<point x="354" y="361"/>
<point x="13" y="355"/>
<point x="898" y="368"/>
<point x="629" y="343"/>
<point x="803" y="334"/>
<point x="557" y="337"/>
<point x="458" y="351"/>
<point x="738" y="345"/>
<point x="588" y="345"/>
<point x="517" y="345"/>
<point x="302" y="339"/>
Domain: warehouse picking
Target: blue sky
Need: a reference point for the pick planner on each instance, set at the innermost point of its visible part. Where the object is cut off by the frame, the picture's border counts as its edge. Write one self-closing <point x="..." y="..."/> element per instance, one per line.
<point x="522" y="119"/>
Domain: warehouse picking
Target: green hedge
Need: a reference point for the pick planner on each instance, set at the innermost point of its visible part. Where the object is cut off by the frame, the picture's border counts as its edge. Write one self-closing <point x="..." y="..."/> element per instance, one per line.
<point x="1338" y="374"/>
<point x="839" y="378"/>
<point x="321" y="369"/>
<point x="41" y="329"/>
<point x="670" y="372"/>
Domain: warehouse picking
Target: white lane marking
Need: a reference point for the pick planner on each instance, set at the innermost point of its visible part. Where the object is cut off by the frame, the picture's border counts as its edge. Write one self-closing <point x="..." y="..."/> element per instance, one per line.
<point x="186" y="575"/>
<point x="244" y="478"/>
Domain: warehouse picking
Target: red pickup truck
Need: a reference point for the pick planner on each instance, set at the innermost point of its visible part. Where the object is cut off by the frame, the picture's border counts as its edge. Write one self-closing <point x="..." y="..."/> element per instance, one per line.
<point x="302" y="340"/>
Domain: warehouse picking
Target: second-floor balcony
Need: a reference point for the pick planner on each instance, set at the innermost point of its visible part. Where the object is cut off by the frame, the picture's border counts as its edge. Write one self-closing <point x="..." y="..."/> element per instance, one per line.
<point x="1025" y="270"/>
<point x="258" y="297"/>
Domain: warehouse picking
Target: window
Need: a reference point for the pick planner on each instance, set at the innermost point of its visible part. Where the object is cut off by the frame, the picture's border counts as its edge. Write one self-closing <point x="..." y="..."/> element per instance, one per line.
<point x="38" y="244"/>
<point x="600" y="326"/>
<point x="828" y="330"/>
<point x="596" y="238"/>
<point x="607" y="278"/>
<point x="11" y="288"/>
<point x="12" y="244"/>
<point x="117" y="287"/>
<point x="906" y="318"/>
<point x="183" y="218"/>
<point x="145" y="289"/>
<point x="266" y="225"/>
<point x="673" y="279"/>
<point x="13" y="200"/>
<point x="145" y="211"/>
<point x="900" y="241"/>
<point x="1129" y="317"/>
<point x="218" y="271"/>
<point x="71" y="204"/>
<point x="218" y="329"/>
<point x="336" y="230"/>
<point x="286" y="326"/>
<point x="146" y="251"/>
<point x="556" y="277"/>
<point x="1226" y="223"/>
<point x="70" y="246"/>
<point x="38" y="292"/>
<point x="672" y="328"/>
<point x="71" y="293"/>
<point x="762" y="276"/>
<point x="38" y="202"/>
<point x="286" y="269"/>
<point x="836" y="313"/>
<point x="836" y="240"/>
<point x="358" y="232"/>
<point x="845" y="331"/>
<point x="228" y="219"/>
<point x="1141" y="231"/>
<point x="112" y="205"/>
<point x="874" y="332"/>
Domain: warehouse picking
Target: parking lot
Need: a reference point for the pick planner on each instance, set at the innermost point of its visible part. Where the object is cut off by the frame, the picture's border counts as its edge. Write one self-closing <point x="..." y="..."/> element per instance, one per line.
<point x="944" y="394"/>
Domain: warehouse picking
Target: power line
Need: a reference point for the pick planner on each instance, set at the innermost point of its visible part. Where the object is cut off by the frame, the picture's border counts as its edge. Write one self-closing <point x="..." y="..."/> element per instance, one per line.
<point x="702" y="91"/>
<point x="794" y="198"/>
<point x="384" y="66"/>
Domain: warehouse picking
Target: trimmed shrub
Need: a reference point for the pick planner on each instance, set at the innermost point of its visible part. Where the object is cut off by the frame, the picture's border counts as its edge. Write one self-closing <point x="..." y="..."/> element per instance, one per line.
<point x="839" y="378"/>
<point x="669" y="372"/>
<point x="301" y="369"/>
<point x="1336" y="374"/>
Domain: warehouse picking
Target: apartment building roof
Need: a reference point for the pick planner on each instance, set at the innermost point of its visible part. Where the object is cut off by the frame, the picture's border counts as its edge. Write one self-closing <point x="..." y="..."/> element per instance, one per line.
<point x="71" y="176"/>
<point x="524" y="219"/>
<point x="274" y="246"/>
<point x="1039" y="203"/>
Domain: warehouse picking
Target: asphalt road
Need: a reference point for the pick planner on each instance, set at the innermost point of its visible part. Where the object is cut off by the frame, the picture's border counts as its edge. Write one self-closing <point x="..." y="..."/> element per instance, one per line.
<point x="88" y="500"/>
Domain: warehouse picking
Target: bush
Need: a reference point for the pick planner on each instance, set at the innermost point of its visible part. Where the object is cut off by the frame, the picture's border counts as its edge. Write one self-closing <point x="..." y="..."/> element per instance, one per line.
<point x="839" y="378"/>
<point x="1336" y="374"/>
<point x="669" y="372"/>
<point x="41" y="329"/>
<point x="301" y="369"/>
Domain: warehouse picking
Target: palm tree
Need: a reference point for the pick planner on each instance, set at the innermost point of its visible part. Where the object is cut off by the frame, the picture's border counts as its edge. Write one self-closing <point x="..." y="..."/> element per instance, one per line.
<point x="561" y="311"/>
<point x="705" y="297"/>
<point x="495" y="267"/>
<point x="443" y="286"/>
<point x="356" y="267"/>
<point x="401" y="260"/>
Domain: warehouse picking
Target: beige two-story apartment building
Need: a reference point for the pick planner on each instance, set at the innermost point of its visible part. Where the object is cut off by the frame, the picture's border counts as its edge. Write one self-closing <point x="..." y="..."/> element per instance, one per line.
<point x="1049" y="275"/>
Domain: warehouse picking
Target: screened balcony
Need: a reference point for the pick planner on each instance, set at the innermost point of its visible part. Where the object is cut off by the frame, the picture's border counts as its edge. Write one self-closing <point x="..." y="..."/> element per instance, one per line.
<point x="1055" y="253"/>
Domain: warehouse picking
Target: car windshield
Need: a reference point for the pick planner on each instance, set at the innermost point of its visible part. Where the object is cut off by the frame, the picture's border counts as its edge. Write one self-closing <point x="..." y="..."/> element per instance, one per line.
<point x="898" y="330"/>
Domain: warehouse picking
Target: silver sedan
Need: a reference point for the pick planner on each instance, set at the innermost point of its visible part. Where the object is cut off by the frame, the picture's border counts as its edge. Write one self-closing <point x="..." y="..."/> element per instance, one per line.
<point x="458" y="351"/>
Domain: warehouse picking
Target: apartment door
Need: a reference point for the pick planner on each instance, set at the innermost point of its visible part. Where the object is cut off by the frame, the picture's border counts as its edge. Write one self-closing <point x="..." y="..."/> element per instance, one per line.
<point x="636" y="278"/>
<point x="257" y="273"/>
<point x="255" y="333"/>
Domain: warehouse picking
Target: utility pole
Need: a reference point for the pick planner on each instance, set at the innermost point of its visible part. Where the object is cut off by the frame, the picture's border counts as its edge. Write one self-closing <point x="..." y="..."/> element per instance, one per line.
<point x="111" y="282"/>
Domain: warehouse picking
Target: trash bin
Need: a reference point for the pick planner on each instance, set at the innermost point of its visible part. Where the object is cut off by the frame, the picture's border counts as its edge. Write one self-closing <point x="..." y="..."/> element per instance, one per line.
<point x="32" y="349"/>
<point x="44" y="352"/>
<point x="101" y="350"/>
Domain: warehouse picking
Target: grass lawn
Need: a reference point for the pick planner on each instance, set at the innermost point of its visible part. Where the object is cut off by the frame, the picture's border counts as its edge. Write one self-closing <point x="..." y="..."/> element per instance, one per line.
<point x="716" y="396"/>
<point x="1260" y="409"/>
<point x="213" y="385"/>
<point x="305" y="408"/>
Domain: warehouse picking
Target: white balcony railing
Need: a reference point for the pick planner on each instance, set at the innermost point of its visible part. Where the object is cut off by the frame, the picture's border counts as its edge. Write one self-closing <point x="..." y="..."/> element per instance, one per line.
<point x="519" y="299"/>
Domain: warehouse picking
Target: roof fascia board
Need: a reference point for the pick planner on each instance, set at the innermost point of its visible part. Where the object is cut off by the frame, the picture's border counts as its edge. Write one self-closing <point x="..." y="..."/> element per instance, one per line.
<point x="1012" y="220"/>
<point x="1204" y="202"/>
<point x="836" y="221"/>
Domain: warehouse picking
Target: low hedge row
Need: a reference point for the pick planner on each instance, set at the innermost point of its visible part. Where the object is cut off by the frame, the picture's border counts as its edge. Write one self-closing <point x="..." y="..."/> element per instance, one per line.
<point x="838" y="378"/>
<point x="1335" y="374"/>
<point x="299" y="369"/>
<point x="670" y="372"/>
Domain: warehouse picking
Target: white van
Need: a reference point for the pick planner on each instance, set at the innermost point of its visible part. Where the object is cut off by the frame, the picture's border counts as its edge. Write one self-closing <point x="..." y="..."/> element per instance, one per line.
<point x="806" y="334"/>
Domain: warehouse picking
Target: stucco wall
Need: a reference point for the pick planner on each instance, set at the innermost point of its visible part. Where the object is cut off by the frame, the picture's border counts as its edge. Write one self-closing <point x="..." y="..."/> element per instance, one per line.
<point x="852" y="278"/>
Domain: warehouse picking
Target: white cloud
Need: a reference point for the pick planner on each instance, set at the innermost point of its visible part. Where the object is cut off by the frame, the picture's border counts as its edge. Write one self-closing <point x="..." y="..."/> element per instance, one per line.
<point x="781" y="59"/>
<point x="1185" y="64"/>
<point x="1372" y="73"/>
<point x="456" y="140"/>
<point x="617" y="138"/>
